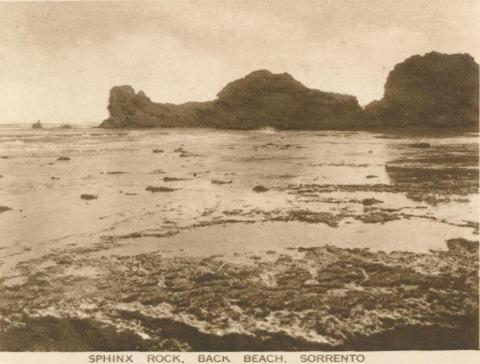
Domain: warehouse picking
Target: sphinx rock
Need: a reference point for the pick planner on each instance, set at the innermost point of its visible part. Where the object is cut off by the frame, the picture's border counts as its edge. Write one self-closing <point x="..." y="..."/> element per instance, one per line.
<point x="261" y="99"/>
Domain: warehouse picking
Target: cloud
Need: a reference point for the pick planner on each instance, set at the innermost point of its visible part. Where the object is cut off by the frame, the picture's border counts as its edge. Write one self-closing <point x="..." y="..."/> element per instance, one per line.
<point x="59" y="60"/>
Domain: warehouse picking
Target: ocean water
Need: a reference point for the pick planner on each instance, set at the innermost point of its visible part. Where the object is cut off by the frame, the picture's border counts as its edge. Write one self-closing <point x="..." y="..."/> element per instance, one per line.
<point x="212" y="207"/>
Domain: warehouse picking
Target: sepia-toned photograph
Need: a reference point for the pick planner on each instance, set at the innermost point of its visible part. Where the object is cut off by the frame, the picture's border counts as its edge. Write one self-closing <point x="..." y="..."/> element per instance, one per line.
<point x="239" y="176"/>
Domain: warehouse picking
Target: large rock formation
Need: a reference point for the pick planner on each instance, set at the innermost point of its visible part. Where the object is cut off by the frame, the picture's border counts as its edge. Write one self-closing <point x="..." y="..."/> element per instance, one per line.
<point x="434" y="90"/>
<point x="431" y="91"/>
<point x="261" y="99"/>
<point x="130" y="109"/>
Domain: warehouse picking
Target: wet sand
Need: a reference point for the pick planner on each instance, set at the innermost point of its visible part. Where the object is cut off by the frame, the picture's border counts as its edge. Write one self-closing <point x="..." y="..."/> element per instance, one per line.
<point x="170" y="206"/>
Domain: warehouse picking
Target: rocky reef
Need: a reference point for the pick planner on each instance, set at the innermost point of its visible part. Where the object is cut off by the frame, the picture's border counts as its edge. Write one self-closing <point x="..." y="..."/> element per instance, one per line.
<point x="318" y="298"/>
<point x="434" y="90"/>
<point x="430" y="91"/>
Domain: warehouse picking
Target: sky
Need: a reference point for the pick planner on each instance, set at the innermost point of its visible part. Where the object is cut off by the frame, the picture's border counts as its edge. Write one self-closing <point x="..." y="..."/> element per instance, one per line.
<point x="58" y="61"/>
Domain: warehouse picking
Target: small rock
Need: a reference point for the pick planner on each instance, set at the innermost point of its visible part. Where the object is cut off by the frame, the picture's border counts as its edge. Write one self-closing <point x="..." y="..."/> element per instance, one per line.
<point x="420" y="145"/>
<point x="157" y="171"/>
<point x="186" y="154"/>
<point x="5" y="208"/>
<point x="157" y="151"/>
<point x="370" y="201"/>
<point x="219" y="182"/>
<point x="87" y="196"/>
<point x="172" y="179"/>
<point x="159" y="189"/>
<point x="63" y="158"/>
<point x="260" y="188"/>
<point x="37" y="125"/>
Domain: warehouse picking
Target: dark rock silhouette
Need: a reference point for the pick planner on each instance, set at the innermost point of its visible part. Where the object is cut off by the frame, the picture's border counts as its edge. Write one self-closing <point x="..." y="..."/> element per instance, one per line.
<point x="260" y="188"/>
<point x="154" y="189"/>
<point x="261" y="99"/>
<point x="434" y="90"/>
<point x="431" y="91"/>
<point x="37" y="125"/>
<point x="5" y="208"/>
<point x="88" y="196"/>
<point x="420" y="145"/>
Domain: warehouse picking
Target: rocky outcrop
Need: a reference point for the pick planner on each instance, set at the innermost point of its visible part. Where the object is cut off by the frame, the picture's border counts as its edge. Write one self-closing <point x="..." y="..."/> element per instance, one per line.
<point x="431" y="91"/>
<point x="434" y="90"/>
<point x="130" y="109"/>
<point x="261" y="99"/>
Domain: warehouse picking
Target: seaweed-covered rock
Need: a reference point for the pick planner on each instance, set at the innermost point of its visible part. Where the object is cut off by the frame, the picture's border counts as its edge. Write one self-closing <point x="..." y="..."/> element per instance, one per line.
<point x="350" y="298"/>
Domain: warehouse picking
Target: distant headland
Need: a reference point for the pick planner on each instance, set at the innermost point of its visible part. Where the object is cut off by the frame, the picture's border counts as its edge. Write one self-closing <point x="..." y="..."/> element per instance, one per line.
<point x="431" y="91"/>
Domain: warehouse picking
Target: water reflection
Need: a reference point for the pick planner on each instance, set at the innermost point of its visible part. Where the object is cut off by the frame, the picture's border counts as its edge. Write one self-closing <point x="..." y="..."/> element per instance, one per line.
<point x="439" y="167"/>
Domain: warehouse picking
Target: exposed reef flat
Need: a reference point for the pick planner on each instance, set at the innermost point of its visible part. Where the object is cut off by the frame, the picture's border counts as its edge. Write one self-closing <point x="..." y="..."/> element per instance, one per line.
<point x="357" y="240"/>
<point x="318" y="298"/>
<point x="429" y="93"/>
